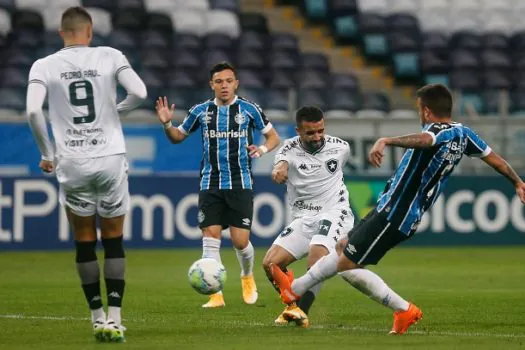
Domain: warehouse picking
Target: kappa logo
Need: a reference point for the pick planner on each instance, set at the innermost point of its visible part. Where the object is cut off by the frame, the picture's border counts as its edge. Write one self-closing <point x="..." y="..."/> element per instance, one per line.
<point x="286" y="232"/>
<point x="239" y="118"/>
<point x="331" y="165"/>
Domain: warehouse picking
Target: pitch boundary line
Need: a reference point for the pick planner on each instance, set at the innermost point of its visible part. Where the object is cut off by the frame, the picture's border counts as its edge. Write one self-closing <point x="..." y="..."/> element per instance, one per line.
<point x="321" y="326"/>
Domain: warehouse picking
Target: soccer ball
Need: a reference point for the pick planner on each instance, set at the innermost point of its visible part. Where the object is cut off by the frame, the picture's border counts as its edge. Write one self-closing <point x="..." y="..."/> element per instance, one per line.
<point x="207" y="276"/>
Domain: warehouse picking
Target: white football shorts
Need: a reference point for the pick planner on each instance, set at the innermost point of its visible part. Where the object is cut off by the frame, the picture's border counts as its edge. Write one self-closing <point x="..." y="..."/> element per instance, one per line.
<point x="90" y="186"/>
<point x="325" y="229"/>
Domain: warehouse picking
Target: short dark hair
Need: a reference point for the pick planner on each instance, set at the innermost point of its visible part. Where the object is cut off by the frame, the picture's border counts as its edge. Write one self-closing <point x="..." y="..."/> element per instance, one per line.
<point x="73" y="18"/>
<point x="308" y="114"/>
<point x="219" y="67"/>
<point x="437" y="98"/>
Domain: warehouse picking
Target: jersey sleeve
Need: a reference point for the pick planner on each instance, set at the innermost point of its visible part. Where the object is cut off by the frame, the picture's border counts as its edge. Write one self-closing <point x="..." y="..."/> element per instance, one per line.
<point x="284" y="153"/>
<point x="121" y="62"/>
<point x="258" y="118"/>
<point x="476" y="146"/>
<point x="37" y="74"/>
<point x="192" y="120"/>
<point x="441" y="133"/>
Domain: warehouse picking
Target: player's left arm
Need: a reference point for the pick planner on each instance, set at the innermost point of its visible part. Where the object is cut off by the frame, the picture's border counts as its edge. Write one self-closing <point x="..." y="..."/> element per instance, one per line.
<point x="421" y="140"/>
<point x="36" y="94"/>
<point x="130" y="80"/>
<point x="272" y="139"/>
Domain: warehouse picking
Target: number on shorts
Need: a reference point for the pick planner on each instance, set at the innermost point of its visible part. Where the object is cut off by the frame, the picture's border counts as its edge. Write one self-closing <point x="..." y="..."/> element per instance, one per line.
<point x="324" y="227"/>
<point x="86" y="100"/>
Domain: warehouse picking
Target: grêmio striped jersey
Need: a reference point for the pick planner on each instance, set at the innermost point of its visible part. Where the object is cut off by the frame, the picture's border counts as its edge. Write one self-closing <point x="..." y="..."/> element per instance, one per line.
<point x="422" y="173"/>
<point x="226" y="132"/>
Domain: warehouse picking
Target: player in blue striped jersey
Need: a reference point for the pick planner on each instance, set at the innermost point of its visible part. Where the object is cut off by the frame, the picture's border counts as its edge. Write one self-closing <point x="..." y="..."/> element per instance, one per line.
<point x="226" y="123"/>
<point x="420" y="178"/>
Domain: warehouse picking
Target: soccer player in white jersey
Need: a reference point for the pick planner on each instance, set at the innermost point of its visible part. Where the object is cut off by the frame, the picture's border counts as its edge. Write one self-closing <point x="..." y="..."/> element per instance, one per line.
<point x="311" y="165"/>
<point x="89" y="154"/>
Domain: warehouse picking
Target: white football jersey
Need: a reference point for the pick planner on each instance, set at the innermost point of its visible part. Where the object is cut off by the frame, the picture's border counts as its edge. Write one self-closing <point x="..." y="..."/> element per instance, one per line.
<point x="315" y="180"/>
<point x="81" y="91"/>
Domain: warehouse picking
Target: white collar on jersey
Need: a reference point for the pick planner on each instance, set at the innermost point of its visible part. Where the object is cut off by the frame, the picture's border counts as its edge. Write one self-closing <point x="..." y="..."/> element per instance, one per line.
<point x="72" y="47"/>
<point x="233" y="101"/>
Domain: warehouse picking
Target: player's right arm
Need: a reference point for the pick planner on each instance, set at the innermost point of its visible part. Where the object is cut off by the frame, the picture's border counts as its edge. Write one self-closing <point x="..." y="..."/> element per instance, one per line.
<point x="165" y="115"/>
<point x="130" y="80"/>
<point x="36" y="94"/>
<point x="280" y="172"/>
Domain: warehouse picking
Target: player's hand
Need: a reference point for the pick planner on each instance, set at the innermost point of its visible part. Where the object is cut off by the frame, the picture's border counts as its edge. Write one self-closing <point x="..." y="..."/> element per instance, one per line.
<point x="46" y="166"/>
<point x="280" y="176"/>
<point x="377" y="152"/>
<point x="254" y="151"/>
<point x="520" y="191"/>
<point x="164" y="112"/>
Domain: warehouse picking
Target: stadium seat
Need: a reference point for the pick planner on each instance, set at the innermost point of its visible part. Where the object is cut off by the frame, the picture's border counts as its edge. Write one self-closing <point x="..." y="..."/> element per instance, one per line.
<point x="374" y="42"/>
<point x="344" y="99"/>
<point x="256" y="95"/>
<point x="52" y="22"/>
<point x="160" y="6"/>
<point x="229" y="5"/>
<point x="34" y="5"/>
<point x="8" y="5"/>
<point x="495" y="41"/>
<point x="101" y="20"/>
<point x="99" y="40"/>
<point x="153" y="79"/>
<point x="187" y="59"/>
<point x="160" y="22"/>
<point x="402" y="22"/>
<point x="434" y="5"/>
<point x="186" y="21"/>
<point x="27" y="19"/>
<point x="223" y="22"/>
<point x="201" y="5"/>
<point x="251" y="59"/>
<point x="467" y="40"/>
<point x="496" y="59"/>
<point x="129" y="4"/>
<point x="277" y="99"/>
<point x="5" y="22"/>
<point x="465" y="59"/>
<point x="32" y="39"/>
<point x="493" y="100"/>
<point x="103" y="4"/>
<point x="155" y="39"/>
<point x="406" y="6"/>
<point x="375" y="101"/>
<point x="183" y="41"/>
<point x="13" y="77"/>
<point x="155" y="59"/>
<point x="282" y="79"/>
<point x="130" y="18"/>
<point x="435" y="42"/>
<point x="467" y="80"/>
<point x="434" y="20"/>
<point x="497" y="79"/>
<point x="343" y="20"/>
<point x="311" y="79"/>
<point x="124" y="40"/>
<point x="315" y="61"/>
<point x="283" y="60"/>
<point x="64" y="4"/>
<point x="497" y="22"/>
<point x="373" y="6"/>
<point x="316" y="11"/>
<point x="12" y="99"/>
<point x="212" y="57"/>
<point x="183" y="78"/>
<point x="312" y="97"/>
<point x="218" y="41"/>
<point x="253" y="40"/>
<point x="344" y="81"/>
<point x="250" y="78"/>
<point x="284" y="42"/>
<point x="255" y="22"/>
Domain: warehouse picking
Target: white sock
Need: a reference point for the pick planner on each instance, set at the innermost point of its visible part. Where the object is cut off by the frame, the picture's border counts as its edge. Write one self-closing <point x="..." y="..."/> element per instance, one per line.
<point x="372" y="285"/>
<point x="211" y="248"/>
<point x="322" y="270"/>
<point x="317" y="288"/>
<point x="96" y="314"/>
<point x="245" y="258"/>
<point x="114" y="314"/>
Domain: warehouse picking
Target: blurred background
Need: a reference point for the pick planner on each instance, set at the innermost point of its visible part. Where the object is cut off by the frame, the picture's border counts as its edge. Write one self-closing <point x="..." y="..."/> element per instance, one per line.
<point x="360" y="61"/>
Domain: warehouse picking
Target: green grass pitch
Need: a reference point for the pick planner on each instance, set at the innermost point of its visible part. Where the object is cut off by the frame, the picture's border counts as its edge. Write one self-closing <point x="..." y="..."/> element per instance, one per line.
<point x="472" y="298"/>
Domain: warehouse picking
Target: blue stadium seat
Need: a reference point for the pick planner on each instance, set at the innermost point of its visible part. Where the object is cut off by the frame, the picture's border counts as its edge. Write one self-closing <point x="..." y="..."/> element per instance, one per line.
<point x="316" y="10"/>
<point x="255" y="22"/>
<point x="344" y="20"/>
<point x="374" y="42"/>
<point x="405" y="46"/>
<point x="402" y="22"/>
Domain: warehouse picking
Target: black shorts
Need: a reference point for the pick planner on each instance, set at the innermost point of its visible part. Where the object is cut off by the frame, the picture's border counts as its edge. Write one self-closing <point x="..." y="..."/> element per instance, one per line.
<point x="226" y="208"/>
<point x="371" y="238"/>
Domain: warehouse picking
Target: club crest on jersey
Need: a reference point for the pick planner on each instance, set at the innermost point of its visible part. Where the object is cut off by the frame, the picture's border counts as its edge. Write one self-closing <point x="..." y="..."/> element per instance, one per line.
<point x="331" y="165"/>
<point x="239" y="118"/>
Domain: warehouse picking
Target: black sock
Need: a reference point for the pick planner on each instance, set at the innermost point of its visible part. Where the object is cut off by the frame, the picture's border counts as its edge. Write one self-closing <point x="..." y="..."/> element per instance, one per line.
<point x="306" y="301"/>
<point x="88" y="271"/>
<point x="114" y="269"/>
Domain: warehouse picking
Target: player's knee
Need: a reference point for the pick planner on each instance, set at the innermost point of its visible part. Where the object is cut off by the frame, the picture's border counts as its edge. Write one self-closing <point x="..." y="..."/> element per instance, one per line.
<point x="211" y="232"/>
<point x="241" y="242"/>
<point x="113" y="247"/>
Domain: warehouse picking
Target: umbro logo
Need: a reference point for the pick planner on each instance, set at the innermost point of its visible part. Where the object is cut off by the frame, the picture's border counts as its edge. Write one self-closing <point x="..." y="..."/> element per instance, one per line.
<point x="246" y="221"/>
<point x="351" y="249"/>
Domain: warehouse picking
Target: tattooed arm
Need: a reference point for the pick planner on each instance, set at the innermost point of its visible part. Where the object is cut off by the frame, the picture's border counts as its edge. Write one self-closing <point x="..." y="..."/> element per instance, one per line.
<point x="422" y="140"/>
